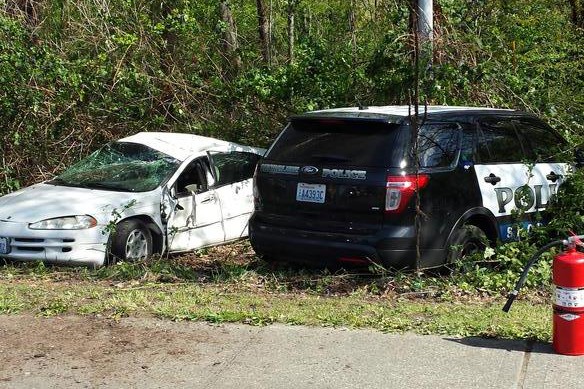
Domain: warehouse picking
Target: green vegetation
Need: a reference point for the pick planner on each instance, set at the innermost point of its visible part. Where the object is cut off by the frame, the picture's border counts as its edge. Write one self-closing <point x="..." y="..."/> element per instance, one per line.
<point x="76" y="74"/>
<point x="224" y="285"/>
<point x="215" y="304"/>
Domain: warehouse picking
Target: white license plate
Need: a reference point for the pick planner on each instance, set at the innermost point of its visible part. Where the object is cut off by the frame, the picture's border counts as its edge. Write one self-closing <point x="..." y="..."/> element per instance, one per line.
<point x="311" y="193"/>
<point x="4" y="247"/>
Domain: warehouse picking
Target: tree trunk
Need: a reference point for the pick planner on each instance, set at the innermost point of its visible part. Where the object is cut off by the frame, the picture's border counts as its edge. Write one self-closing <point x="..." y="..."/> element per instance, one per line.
<point x="164" y="103"/>
<point x="263" y="30"/>
<point x="230" y="44"/>
<point x="577" y="13"/>
<point x="291" y="38"/>
<point x="307" y="23"/>
<point x="412" y="29"/>
<point x="352" y="26"/>
<point x="166" y="52"/>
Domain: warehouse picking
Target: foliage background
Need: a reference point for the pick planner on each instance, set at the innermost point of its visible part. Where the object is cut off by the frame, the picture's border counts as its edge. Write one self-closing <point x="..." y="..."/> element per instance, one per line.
<point x="74" y="75"/>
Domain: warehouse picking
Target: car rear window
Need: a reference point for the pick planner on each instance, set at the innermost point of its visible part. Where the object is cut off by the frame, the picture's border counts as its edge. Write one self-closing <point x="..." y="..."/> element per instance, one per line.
<point x="349" y="142"/>
<point x="543" y="144"/>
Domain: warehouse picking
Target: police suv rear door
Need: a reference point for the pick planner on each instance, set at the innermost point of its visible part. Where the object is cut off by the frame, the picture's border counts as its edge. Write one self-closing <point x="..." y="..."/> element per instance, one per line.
<point x="513" y="185"/>
<point x="329" y="174"/>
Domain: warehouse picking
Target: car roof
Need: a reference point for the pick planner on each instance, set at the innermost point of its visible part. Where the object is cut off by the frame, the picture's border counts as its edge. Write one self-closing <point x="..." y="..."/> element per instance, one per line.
<point x="182" y="146"/>
<point x="396" y="113"/>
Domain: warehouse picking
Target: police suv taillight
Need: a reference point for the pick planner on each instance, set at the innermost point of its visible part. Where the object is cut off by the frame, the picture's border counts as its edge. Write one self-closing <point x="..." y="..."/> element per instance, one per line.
<point x="400" y="189"/>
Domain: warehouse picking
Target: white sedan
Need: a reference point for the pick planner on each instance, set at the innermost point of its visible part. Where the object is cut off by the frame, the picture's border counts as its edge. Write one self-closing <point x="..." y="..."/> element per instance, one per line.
<point x="144" y="194"/>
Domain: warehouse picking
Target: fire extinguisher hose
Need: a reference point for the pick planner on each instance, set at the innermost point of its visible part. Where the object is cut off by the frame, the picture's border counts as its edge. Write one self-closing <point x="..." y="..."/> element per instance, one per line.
<point x="513" y="295"/>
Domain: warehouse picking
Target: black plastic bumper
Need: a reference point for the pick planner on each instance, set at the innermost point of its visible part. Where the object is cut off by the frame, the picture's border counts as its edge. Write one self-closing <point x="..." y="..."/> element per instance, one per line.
<point x="390" y="248"/>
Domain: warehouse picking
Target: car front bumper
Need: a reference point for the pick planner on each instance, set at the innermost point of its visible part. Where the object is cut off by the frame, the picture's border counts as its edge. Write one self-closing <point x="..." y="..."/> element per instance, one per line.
<point x="71" y="247"/>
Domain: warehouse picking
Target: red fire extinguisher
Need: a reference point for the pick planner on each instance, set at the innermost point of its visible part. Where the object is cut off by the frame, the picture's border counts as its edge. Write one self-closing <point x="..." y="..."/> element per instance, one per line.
<point x="568" y="301"/>
<point x="567" y="295"/>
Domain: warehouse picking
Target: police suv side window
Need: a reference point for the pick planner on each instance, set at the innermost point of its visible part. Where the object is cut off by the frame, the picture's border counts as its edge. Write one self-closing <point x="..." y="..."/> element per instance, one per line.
<point x="543" y="144"/>
<point x="498" y="142"/>
<point x="468" y="145"/>
<point x="438" y="145"/>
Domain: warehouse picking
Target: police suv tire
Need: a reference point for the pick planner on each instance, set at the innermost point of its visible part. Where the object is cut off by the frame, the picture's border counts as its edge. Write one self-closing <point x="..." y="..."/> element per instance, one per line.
<point x="131" y="241"/>
<point x="466" y="240"/>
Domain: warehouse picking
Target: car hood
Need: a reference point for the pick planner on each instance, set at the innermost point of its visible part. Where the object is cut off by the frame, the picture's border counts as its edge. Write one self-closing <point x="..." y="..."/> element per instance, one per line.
<point x="44" y="201"/>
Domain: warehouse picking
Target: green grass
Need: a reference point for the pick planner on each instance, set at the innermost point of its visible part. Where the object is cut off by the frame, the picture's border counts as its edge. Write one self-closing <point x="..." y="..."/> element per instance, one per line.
<point x="245" y="291"/>
<point x="214" y="303"/>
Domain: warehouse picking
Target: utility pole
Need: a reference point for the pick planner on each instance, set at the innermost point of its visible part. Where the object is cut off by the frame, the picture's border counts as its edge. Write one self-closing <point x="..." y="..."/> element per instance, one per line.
<point x="425" y="29"/>
<point x="422" y="17"/>
<point x="426" y="20"/>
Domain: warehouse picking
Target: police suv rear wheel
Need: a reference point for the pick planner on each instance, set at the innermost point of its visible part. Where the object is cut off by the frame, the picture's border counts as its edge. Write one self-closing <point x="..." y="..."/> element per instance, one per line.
<point x="465" y="243"/>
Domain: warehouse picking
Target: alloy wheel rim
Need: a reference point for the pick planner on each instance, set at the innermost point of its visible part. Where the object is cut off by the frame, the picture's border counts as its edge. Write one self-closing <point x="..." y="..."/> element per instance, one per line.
<point x="136" y="245"/>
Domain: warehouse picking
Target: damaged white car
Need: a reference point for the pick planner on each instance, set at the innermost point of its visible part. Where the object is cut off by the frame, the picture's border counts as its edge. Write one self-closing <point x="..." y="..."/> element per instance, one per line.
<point x="144" y="194"/>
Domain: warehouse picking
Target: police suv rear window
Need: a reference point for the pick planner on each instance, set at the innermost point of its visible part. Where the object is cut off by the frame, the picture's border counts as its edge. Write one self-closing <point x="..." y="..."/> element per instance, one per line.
<point x="544" y="145"/>
<point x="340" y="141"/>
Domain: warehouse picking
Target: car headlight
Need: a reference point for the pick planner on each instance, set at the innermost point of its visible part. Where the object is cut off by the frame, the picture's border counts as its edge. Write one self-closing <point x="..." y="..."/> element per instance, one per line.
<point x="79" y="222"/>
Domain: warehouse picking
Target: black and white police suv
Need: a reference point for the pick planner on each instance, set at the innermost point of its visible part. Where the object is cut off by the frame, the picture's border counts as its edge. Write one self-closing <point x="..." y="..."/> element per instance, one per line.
<point x="339" y="185"/>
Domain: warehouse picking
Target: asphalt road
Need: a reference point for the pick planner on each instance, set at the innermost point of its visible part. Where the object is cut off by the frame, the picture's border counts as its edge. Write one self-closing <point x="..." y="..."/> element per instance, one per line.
<point x="93" y="352"/>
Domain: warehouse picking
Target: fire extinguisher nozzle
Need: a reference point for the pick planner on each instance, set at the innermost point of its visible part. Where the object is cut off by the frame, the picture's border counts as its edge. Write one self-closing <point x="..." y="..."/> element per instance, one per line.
<point x="535" y="257"/>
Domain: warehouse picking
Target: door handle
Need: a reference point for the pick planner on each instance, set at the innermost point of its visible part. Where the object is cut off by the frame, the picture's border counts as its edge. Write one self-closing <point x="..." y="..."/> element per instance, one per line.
<point x="209" y="199"/>
<point x="553" y="177"/>
<point x="492" y="179"/>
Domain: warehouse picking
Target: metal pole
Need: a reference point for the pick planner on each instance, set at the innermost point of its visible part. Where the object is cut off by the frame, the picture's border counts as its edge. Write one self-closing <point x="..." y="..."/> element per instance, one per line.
<point x="425" y="30"/>
<point x="426" y="20"/>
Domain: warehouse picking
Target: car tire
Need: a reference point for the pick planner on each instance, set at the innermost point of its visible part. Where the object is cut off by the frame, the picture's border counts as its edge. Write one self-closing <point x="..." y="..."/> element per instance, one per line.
<point x="131" y="241"/>
<point x="466" y="241"/>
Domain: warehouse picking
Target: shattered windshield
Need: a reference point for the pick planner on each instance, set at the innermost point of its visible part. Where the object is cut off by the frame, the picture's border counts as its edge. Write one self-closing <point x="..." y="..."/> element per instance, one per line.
<point x="120" y="166"/>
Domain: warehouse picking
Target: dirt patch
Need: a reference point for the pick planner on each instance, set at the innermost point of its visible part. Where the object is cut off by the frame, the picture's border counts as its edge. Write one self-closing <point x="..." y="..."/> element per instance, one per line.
<point x="94" y="351"/>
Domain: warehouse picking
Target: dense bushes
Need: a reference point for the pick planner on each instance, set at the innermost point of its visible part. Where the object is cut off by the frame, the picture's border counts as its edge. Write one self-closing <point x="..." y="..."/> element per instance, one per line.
<point x="76" y="74"/>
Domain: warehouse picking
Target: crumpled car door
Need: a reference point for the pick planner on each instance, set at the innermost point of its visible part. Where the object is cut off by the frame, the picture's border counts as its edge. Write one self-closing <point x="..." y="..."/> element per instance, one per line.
<point x="196" y="220"/>
<point x="233" y="172"/>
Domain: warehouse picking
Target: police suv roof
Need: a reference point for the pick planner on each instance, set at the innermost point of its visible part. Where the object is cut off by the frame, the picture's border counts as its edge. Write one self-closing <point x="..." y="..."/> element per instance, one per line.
<point x="396" y="113"/>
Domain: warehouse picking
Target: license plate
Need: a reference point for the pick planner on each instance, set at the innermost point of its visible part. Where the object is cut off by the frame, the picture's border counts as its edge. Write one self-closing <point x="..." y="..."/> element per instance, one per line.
<point x="4" y="247"/>
<point x="311" y="193"/>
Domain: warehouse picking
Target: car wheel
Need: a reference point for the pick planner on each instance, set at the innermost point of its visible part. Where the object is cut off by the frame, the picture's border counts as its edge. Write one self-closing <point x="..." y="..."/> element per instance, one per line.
<point x="132" y="241"/>
<point x="466" y="241"/>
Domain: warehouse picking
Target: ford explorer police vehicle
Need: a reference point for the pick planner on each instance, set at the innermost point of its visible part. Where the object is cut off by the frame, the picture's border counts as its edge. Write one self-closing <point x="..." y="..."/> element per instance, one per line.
<point x="340" y="185"/>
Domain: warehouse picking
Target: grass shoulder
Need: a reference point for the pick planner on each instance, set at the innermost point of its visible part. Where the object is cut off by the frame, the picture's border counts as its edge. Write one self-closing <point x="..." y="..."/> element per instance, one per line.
<point x="229" y="284"/>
